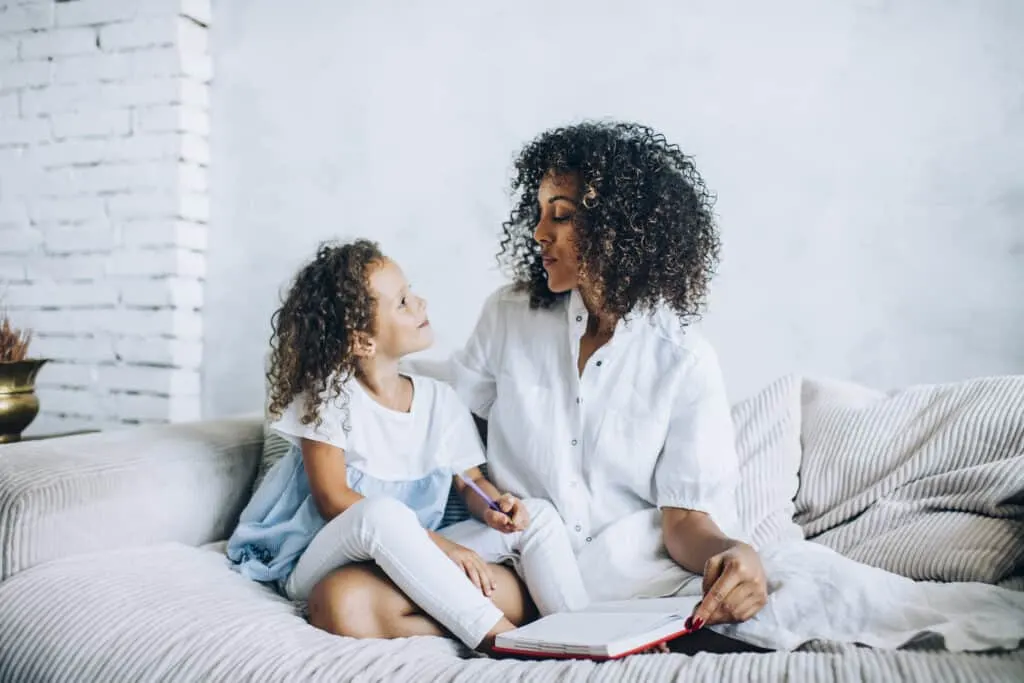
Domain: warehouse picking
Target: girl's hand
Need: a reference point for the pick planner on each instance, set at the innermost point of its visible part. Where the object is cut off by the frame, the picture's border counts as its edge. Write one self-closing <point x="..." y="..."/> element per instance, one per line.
<point x="478" y="571"/>
<point x="515" y="517"/>
<point x="735" y="587"/>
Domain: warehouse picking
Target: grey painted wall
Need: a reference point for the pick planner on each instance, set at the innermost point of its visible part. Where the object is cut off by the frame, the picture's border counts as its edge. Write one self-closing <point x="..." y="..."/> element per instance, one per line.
<point x="867" y="157"/>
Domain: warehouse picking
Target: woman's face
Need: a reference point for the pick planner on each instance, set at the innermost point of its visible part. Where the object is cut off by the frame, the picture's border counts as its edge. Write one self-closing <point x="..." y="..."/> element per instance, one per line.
<point x="558" y="197"/>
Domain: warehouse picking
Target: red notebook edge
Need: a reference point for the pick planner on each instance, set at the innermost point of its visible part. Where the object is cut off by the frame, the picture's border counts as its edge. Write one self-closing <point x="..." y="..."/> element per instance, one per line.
<point x="597" y="658"/>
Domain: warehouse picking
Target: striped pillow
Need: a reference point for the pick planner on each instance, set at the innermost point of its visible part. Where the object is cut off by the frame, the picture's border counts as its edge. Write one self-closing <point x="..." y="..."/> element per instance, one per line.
<point x="767" y="429"/>
<point x="925" y="481"/>
<point x="275" y="447"/>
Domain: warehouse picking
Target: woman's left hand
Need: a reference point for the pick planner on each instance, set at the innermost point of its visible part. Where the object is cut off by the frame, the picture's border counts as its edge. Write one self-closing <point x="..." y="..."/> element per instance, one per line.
<point x="735" y="587"/>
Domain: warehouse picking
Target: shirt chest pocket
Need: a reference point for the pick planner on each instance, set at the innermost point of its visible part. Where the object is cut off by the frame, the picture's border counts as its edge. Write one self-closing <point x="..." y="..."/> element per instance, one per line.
<point x="628" y="446"/>
<point x="527" y="414"/>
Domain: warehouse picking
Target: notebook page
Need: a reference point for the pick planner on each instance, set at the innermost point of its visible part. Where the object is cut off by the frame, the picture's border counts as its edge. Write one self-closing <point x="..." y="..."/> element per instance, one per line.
<point x="587" y="631"/>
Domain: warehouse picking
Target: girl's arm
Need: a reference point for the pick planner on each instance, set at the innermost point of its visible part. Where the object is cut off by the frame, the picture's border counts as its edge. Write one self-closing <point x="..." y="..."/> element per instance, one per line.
<point x="477" y="506"/>
<point x="325" y="467"/>
<point x="515" y="517"/>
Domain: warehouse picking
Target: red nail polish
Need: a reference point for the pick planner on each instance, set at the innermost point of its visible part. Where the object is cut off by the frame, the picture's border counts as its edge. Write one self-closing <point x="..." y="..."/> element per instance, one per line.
<point x="689" y="623"/>
<point x="698" y="624"/>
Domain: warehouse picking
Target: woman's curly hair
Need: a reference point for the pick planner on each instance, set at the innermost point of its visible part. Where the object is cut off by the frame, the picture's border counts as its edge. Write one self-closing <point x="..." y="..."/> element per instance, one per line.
<point x="644" y="228"/>
<point x="314" y="331"/>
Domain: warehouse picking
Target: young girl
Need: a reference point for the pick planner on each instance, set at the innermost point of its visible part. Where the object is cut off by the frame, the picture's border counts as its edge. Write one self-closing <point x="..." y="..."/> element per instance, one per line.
<point x="373" y="457"/>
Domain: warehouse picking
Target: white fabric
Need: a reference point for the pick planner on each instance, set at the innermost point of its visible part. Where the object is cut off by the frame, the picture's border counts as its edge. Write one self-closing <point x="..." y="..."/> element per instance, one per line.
<point x="388" y="444"/>
<point x="817" y="594"/>
<point x="384" y="531"/>
<point x="646" y="425"/>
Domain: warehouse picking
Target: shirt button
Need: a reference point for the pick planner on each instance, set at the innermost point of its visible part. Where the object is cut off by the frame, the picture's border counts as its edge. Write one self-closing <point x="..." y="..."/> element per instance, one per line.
<point x="579" y="318"/>
<point x="589" y="539"/>
<point x="574" y="442"/>
<point x="579" y="400"/>
<point x="599" y="363"/>
<point x="579" y="527"/>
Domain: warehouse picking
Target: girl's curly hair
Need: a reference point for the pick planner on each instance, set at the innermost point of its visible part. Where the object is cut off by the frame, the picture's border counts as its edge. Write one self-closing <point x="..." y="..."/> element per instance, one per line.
<point x="644" y="227"/>
<point x="314" y="331"/>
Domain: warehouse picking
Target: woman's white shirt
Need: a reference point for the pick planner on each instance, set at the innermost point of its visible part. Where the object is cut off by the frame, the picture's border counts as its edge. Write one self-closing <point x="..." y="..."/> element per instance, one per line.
<point x="647" y="425"/>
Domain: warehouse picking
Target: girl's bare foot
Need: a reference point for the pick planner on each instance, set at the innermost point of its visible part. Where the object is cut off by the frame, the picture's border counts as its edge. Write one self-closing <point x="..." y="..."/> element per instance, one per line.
<point x="486" y="645"/>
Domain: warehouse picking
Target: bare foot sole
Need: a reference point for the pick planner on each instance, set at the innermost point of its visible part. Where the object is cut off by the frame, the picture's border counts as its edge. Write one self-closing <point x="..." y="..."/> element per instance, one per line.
<point x="659" y="649"/>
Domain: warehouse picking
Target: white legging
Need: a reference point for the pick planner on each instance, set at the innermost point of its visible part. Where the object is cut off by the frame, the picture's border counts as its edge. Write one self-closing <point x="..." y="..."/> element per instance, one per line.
<point x="387" y="532"/>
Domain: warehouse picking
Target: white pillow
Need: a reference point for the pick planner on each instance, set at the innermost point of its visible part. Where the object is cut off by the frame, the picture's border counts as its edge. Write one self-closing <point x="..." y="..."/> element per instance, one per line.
<point x="767" y="429"/>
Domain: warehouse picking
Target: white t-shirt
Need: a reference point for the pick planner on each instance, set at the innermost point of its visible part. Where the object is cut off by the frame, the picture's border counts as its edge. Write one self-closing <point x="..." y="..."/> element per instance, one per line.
<point x="648" y="424"/>
<point x="437" y="433"/>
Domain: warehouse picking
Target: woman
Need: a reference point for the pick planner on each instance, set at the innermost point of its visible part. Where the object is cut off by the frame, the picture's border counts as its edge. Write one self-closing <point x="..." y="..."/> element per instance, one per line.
<point x="598" y="396"/>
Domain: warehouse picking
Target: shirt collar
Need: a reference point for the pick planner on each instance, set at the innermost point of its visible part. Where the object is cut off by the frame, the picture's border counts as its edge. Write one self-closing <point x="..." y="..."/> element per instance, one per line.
<point x="577" y="314"/>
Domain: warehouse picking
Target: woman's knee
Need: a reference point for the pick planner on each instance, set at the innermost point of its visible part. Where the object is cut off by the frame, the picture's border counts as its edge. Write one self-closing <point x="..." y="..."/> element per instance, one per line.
<point x="345" y="603"/>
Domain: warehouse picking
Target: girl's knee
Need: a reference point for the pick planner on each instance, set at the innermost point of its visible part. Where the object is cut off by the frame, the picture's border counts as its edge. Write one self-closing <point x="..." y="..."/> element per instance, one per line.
<point x="382" y="512"/>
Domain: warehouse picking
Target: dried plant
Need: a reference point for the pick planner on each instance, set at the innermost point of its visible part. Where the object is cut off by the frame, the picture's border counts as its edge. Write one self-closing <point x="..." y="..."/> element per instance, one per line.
<point x="13" y="342"/>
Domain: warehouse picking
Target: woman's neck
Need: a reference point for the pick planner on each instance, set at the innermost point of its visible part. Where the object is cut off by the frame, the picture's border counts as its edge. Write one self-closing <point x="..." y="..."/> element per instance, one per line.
<point x="599" y="322"/>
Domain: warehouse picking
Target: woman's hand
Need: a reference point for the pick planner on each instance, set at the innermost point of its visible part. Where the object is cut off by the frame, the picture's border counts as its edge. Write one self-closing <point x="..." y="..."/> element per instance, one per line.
<point x="478" y="571"/>
<point x="735" y="588"/>
<point x="515" y="517"/>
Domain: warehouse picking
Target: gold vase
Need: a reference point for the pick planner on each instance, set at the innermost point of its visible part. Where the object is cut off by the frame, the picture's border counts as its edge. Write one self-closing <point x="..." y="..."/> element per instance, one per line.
<point x="19" y="404"/>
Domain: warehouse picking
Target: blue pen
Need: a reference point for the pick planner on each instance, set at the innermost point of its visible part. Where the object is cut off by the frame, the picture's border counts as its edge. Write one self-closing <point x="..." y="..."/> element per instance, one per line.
<point x="480" y="492"/>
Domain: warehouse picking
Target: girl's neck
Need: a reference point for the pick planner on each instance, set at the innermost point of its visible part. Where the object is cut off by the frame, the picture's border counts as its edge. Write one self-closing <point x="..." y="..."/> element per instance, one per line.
<point x="381" y="378"/>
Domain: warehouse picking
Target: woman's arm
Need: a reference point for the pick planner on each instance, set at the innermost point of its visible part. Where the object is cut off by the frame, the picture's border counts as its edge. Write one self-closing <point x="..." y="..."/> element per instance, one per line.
<point x="695" y="484"/>
<point x="734" y="587"/>
<point x="325" y="467"/>
<point x="692" y="538"/>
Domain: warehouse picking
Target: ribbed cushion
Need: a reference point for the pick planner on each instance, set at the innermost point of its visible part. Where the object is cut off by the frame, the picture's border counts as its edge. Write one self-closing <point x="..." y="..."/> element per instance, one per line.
<point x="767" y="427"/>
<point x="174" y="613"/>
<point x="275" y="447"/>
<point x="184" y="482"/>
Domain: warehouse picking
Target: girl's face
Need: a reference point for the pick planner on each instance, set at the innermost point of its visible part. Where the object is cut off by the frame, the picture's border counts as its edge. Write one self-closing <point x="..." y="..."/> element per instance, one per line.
<point x="558" y="197"/>
<point x="401" y="322"/>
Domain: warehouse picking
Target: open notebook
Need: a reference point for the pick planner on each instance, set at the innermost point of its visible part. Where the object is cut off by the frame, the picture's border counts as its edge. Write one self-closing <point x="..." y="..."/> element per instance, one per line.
<point x="592" y="635"/>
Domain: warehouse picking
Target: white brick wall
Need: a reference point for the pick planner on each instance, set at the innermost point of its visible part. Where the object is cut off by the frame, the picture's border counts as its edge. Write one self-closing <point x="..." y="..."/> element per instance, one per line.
<point x="103" y="202"/>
